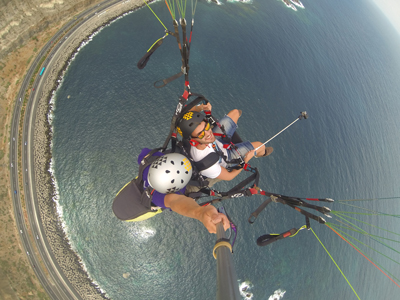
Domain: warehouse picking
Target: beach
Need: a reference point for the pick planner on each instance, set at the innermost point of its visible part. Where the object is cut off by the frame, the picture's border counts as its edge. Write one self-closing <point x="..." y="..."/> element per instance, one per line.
<point x="67" y="259"/>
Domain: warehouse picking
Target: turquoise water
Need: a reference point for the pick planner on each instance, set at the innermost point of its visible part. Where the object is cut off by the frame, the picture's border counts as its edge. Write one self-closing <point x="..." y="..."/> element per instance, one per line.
<point x="334" y="59"/>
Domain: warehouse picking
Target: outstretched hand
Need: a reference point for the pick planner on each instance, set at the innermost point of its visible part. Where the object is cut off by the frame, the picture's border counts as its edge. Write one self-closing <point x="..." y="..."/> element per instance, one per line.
<point x="211" y="217"/>
<point x="185" y="206"/>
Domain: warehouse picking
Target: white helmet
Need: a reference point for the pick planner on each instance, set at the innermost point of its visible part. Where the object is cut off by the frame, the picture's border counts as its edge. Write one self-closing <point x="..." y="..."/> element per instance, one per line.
<point x="170" y="173"/>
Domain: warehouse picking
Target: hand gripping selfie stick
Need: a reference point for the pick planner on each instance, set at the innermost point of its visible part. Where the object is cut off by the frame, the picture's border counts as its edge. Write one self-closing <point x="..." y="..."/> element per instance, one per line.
<point x="303" y="114"/>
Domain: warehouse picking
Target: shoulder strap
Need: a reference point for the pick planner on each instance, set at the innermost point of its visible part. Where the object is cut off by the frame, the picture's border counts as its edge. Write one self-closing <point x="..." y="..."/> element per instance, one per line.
<point x="207" y="161"/>
<point x="146" y="161"/>
<point x="202" y="164"/>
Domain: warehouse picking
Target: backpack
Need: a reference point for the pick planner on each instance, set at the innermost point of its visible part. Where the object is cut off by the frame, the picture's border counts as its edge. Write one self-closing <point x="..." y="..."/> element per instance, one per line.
<point x="133" y="201"/>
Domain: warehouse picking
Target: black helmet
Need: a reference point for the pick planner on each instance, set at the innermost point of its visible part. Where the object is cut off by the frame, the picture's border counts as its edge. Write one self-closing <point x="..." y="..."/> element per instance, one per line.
<point x="188" y="123"/>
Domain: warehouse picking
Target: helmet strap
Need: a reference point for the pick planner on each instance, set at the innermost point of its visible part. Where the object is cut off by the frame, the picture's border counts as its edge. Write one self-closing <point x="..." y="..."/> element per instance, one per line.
<point x="194" y="143"/>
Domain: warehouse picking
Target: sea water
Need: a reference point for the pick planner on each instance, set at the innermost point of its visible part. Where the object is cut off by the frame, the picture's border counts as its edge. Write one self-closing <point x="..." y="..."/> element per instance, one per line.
<point x="337" y="60"/>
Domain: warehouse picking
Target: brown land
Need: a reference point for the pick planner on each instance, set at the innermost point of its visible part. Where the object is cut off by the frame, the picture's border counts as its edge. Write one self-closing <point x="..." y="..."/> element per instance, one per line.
<point x="17" y="280"/>
<point x="18" y="49"/>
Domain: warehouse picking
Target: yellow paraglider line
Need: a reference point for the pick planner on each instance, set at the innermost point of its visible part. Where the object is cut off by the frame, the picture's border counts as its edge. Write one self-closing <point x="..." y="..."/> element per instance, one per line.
<point x="155" y="14"/>
<point x="335" y="262"/>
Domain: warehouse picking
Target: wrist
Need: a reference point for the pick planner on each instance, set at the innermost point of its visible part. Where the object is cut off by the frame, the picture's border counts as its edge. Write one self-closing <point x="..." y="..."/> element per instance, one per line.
<point x="198" y="213"/>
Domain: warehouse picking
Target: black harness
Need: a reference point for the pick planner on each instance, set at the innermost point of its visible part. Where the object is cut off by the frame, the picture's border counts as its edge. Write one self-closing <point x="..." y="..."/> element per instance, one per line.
<point x="133" y="200"/>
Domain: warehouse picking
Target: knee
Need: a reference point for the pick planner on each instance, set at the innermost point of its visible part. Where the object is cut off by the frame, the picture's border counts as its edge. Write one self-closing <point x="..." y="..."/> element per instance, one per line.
<point x="235" y="114"/>
<point x="257" y="144"/>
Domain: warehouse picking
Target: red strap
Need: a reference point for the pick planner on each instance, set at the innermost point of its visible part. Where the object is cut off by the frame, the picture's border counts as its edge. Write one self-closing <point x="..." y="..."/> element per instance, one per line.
<point x="312" y="199"/>
<point x="194" y="143"/>
<point x="185" y="94"/>
<point x="219" y="134"/>
<point x="286" y="234"/>
<point x="226" y="146"/>
<point x="253" y="191"/>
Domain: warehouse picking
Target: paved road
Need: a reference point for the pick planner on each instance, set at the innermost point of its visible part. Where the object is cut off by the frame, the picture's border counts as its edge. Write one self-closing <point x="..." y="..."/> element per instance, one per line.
<point x="56" y="284"/>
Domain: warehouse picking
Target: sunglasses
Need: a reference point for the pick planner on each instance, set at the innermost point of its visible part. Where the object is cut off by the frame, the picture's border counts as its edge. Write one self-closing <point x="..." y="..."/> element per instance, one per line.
<point x="203" y="132"/>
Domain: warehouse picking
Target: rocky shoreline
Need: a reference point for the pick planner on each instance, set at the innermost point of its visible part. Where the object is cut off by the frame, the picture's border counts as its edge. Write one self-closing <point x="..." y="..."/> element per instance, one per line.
<point x="67" y="259"/>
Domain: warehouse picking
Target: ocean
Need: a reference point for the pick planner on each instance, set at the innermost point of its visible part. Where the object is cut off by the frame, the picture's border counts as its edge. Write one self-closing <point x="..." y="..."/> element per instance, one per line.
<point x="337" y="60"/>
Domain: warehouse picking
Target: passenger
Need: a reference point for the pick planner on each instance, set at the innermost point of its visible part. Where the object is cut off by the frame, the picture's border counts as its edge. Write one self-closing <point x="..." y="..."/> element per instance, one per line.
<point x="168" y="176"/>
<point x="194" y="127"/>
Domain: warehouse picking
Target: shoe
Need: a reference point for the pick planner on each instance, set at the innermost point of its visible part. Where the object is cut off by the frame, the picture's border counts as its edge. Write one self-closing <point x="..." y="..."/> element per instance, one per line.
<point x="268" y="151"/>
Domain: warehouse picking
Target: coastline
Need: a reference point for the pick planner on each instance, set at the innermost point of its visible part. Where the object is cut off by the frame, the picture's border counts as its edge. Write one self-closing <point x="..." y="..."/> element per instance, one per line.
<point x="66" y="257"/>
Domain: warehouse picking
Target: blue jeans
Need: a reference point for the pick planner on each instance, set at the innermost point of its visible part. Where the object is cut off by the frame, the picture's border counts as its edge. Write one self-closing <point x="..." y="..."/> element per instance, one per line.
<point x="230" y="128"/>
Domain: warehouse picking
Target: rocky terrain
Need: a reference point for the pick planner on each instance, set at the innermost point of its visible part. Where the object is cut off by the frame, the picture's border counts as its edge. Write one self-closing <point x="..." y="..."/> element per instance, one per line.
<point x="20" y="20"/>
<point x="25" y="27"/>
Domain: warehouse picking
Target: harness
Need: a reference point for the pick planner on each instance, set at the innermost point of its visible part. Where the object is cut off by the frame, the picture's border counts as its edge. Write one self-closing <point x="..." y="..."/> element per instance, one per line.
<point x="202" y="164"/>
<point x="133" y="201"/>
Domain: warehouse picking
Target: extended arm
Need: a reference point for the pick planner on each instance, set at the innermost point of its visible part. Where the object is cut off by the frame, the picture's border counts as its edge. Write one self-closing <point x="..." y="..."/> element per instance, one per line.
<point x="185" y="206"/>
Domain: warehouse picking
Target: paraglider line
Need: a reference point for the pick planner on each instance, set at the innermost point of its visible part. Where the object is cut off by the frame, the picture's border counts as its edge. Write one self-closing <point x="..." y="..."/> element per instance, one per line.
<point x="155" y="15"/>
<point x="342" y="232"/>
<point x="335" y="262"/>
<point x="371" y="199"/>
<point x="362" y="255"/>
<point x="172" y="15"/>
<point x="342" y="216"/>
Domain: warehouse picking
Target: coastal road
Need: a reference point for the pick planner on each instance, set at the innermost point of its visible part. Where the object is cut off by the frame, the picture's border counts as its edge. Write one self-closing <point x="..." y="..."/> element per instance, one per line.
<point x="52" y="278"/>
